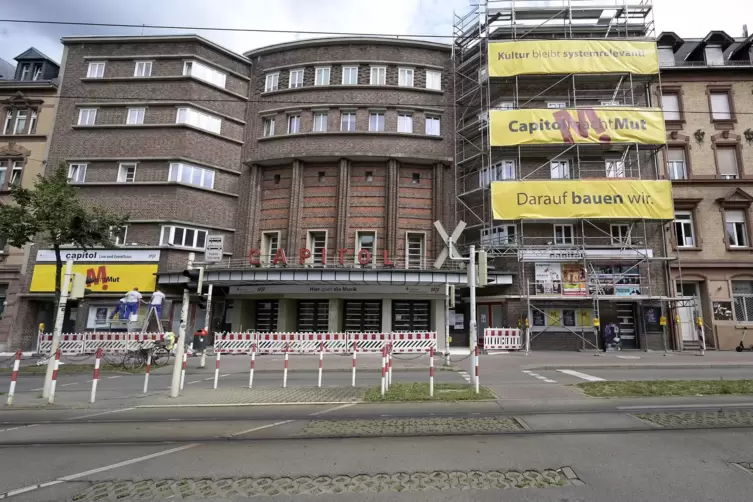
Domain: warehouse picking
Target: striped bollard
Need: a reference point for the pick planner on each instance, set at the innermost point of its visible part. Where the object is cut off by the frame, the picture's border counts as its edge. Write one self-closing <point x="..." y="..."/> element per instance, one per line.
<point x="13" y="378"/>
<point x="431" y="372"/>
<point x="95" y="378"/>
<point x="384" y="356"/>
<point x="389" y="367"/>
<point x="477" y="385"/>
<point x="183" y="370"/>
<point x="253" y="363"/>
<point x="148" y="369"/>
<point x="355" y="351"/>
<point x="216" y="371"/>
<point x="321" y="361"/>
<point x="285" y="369"/>
<point x="56" y="365"/>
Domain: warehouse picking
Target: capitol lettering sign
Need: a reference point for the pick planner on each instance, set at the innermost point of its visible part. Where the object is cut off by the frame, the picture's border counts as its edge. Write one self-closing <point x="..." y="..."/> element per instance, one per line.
<point x="319" y="257"/>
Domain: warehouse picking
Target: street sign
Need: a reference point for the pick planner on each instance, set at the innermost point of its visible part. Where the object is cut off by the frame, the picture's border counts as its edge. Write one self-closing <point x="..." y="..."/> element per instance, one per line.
<point x="214" y="249"/>
<point x="449" y="242"/>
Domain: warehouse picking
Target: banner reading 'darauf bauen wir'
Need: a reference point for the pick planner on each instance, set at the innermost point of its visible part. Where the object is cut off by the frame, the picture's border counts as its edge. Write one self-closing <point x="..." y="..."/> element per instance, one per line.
<point x="605" y="124"/>
<point x="568" y="199"/>
<point x="548" y="57"/>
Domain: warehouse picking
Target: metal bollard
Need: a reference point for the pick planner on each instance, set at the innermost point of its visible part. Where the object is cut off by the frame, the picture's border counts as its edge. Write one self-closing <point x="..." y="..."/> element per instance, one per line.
<point x="183" y="370"/>
<point x="355" y="351"/>
<point x="217" y="370"/>
<point x="431" y="372"/>
<point x="477" y="384"/>
<point x="384" y="356"/>
<point x="54" y="377"/>
<point x="321" y="361"/>
<point x="148" y="368"/>
<point x="95" y="378"/>
<point x="285" y="370"/>
<point x="253" y="363"/>
<point x="13" y="378"/>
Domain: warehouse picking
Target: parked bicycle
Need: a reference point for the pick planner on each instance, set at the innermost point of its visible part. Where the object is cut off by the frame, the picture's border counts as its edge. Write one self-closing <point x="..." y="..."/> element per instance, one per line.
<point x="135" y="359"/>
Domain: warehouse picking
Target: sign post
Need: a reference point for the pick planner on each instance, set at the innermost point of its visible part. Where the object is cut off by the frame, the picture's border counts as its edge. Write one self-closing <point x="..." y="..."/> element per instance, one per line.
<point x="62" y="302"/>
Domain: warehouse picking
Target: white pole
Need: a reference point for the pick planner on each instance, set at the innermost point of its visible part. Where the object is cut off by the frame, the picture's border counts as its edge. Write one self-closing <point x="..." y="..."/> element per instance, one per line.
<point x="95" y="379"/>
<point x="183" y="370"/>
<point x="14" y="377"/>
<point x="472" y="326"/>
<point x="384" y="351"/>
<point x="528" y="340"/>
<point x="476" y="372"/>
<point x="217" y="370"/>
<point x="207" y="322"/>
<point x="355" y="351"/>
<point x="53" y="383"/>
<point x="148" y="369"/>
<point x="321" y="361"/>
<point x="180" y="350"/>
<point x="58" y="327"/>
<point x="253" y="363"/>
<point x="285" y="371"/>
<point x="447" y="323"/>
<point x="389" y="367"/>
<point x="431" y="372"/>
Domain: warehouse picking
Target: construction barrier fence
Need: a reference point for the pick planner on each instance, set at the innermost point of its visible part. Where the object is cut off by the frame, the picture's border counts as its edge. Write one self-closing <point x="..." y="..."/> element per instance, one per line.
<point x="502" y="339"/>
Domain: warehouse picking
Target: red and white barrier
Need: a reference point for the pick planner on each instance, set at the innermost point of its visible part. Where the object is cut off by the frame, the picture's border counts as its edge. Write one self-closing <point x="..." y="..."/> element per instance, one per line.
<point x="56" y="365"/>
<point x="217" y="370"/>
<point x="253" y="363"/>
<point x="183" y="370"/>
<point x="355" y="353"/>
<point x="502" y="339"/>
<point x="88" y="343"/>
<point x="476" y="363"/>
<point x="431" y="372"/>
<point x="285" y="370"/>
<point x="321" y="362"/>
<point x="14" y="377"/>
<point x="369" y="342"/>
<point x="148" y="369"/>
<point x="95" y="378"/>
<point x="384" y="357"/>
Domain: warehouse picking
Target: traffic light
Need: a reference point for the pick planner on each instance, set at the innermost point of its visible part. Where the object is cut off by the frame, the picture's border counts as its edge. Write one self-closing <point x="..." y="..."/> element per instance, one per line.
<point x="483" y="273"/>
<point x="452" y="296"/>
<point x="195" y="279"/>
<point x="80" y="286"/>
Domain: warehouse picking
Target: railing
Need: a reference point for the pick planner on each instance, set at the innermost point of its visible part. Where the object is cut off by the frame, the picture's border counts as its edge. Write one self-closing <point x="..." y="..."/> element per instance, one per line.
<point x="311" y="343"/>
<point x="699" y="64"/>
<point x="349" y="262"/>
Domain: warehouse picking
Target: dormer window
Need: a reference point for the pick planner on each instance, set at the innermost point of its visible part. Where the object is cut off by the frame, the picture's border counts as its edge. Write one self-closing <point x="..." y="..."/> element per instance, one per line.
<point x="666" y="56"/>
<point x="25" y="71"/>
<point x="714" y="55"/>
<point x="37" y="72"/>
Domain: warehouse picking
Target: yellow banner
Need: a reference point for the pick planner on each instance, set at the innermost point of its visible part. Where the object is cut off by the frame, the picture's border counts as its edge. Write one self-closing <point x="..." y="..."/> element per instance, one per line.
<point x="606" y="124"/>
<point x="567" y="199"/>
<point x="108" y="278"/>
<point x="547" y="57"/>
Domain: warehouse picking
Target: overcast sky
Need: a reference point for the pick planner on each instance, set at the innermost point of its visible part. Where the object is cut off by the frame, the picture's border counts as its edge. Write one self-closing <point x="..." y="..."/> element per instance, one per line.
<point x="688" y="18"/>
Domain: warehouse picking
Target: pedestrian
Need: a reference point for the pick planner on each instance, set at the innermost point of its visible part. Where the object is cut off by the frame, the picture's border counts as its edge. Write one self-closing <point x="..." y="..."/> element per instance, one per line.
<point x="133" y="300"/>
<point x="158" y="297"/>
<point x="120" y="308"/>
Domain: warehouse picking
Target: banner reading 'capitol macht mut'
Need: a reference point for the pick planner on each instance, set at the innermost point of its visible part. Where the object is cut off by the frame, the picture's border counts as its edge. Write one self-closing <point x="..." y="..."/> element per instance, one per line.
<point x="606" y="124"/>
<point x="594" y="199"/>
<point x="555" y="57"/>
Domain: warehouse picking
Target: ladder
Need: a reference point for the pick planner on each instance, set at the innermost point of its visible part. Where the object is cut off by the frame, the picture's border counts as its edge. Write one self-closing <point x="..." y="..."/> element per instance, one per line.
<point x="147" y="319"/>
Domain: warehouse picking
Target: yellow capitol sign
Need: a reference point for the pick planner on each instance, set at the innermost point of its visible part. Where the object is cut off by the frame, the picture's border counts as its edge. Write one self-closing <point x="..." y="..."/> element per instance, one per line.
<point x="108" y="277"/>
<point x="568" y="199"/>
<point x="547" y="57"/>
<point x="605" y="124"/>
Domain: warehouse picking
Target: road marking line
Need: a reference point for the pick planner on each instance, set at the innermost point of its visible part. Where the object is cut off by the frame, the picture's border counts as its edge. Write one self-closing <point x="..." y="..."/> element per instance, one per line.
<point x="67" y="384"/>
<point x="669" y="406"/>
<point x="283" y="422"/>
<point x="20" y="427"/>
<point x="33" y="390"/>
<point x="223" y="376"/>
<point x="465" y="376"/>
<point x="98" y="414"/>
<point x="347" y="405"/>
<point x="210" y="378"/>
<point x="116" y="376"/>
<point x="195" y="381"/>
<point x="79" y="475"/>
<point x="582" y="376"/>
<point x="628" y="357"/>
<point x="547" y="380"/>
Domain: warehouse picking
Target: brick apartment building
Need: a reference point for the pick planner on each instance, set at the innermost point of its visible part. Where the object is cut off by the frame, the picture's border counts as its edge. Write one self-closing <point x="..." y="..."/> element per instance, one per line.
<point x="27" y="102"/>
<point x="708" y="107"/>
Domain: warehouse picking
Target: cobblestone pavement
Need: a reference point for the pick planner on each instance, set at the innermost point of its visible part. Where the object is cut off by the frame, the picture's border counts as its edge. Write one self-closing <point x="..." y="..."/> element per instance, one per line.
<point x="201" y="489"/>
<point x="262" y="395"/>
<point x="700" y="418"/>
<point x="409" y="426"/>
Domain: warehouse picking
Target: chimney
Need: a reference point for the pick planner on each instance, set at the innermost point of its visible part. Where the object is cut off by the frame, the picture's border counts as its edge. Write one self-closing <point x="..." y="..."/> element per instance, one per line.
<point x="745" y="31"/>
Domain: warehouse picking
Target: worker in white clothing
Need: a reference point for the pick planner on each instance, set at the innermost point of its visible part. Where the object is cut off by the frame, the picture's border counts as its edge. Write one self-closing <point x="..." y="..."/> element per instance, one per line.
<point x="158" y="298"/>
<point x="133" y="300"/>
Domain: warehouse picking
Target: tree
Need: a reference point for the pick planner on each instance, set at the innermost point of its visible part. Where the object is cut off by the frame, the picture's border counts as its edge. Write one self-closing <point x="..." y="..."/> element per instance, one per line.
<point x="53" y="215"/>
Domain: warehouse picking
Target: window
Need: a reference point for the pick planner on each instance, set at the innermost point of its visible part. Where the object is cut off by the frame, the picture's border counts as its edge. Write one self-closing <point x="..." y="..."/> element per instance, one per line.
<point x="432" y="126"/>
<point x="666" y="56"/>
<point x="363" y="315"/>
<point x="410" y="315"/>
<point x="37" y="72"/>
<point x="348" y="121"/>
<point x="560" y="169"/>
<point x="320" y="122"/>
<point x="498" y="235"/>
<point x="684" y="229"/>
<point x="415" y="245"/>
<point x="271" y="82"/>
<point x="87" y="116"/>
<point x="405" y="122"/>
<point x="135" y="116"/>
<point x="416" y="179"/>
<point x="564" y="235"/>
<point x="3" y="172"/>
<point x="322" y="176"/>
<point x="16" y="173"/>
<point x="726" y="160"/>
<point x="33" y="122"/>
<point x="191" y="175"/>
<point x="502" y="170"/>
<point x="714" y="55"/>
<point x="8" y="118"/>
<point x="720" y="106"/>
<point x="296" y="78"/>
<point x="313" y="316"/>
<point x="184" y="237"/>
<point x="316" y="242"/>
<point x="119" y="234"/>
<point x="736" y="225"/>
<point x="350" y="75"/>
<point x="294" y="124"/>
<point x="556" y="104"/>
<point x="126" y="173"/>
<point x="676" y="164"/>
<point x="278" y="178"/>
<point x="25" y="71"/>
<point x="143" y="69"/>
<point x="742" y="295"/>
<point x="205" y="73"/>
<point x="369" y="176"/>
<point x="670" y="103"/>
<point x="378" y="75"/>
<point x="21" y="121"/>
<point x="620" y="234"/>
<point x="269" y="126"/>
<point x="376" y="122"/>
<point x="405" y="77"/>
<point x="322" y="76"/>
<point x="269" y="243"/>
<point x="365" y="241"/>
<point x="96" y="70"/>
<point x="615" y="168"/>
<point x="434" y="80"/>
<point x="76" y="173"/>
<point x="199" y="119"/>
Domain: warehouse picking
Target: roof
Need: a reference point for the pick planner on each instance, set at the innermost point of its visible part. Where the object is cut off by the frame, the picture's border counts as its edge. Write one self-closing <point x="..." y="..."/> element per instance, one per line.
<point x="688" y="52"/>
<point x="7" y="70"/>
<point x="188" y="37"/>
<point x="324" y="41"/>
<point x="32" y="53"/>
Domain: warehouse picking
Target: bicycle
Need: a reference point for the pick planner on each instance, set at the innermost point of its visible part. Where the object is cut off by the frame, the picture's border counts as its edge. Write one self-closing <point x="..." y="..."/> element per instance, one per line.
<point x="135" y="359"/>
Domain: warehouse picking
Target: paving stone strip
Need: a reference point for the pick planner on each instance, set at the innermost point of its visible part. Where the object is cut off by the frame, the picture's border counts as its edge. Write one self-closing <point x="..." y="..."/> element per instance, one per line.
<point x="699" y="418"/>
<point x="189" y="488"/>
<point x="410" y="426"/>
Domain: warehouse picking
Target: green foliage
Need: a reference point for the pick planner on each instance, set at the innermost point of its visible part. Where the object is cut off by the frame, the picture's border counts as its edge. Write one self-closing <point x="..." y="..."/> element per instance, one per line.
<point x="53" y="215"/>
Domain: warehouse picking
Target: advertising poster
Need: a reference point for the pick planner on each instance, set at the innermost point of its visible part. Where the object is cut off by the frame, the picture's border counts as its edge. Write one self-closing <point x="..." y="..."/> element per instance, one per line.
<point x="573" y="279"/>
<point x="553" y="317"/>
<point x="548" y="278"/>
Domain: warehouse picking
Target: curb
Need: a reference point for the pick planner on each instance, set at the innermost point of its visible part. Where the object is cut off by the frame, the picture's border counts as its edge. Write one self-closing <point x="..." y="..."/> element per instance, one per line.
<point x="641" y="366"/>
<point x="229" y="405"/>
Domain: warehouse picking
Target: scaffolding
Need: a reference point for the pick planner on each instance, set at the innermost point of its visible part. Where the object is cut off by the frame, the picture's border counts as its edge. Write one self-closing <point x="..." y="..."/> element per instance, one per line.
<point x="638" y="259"/>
